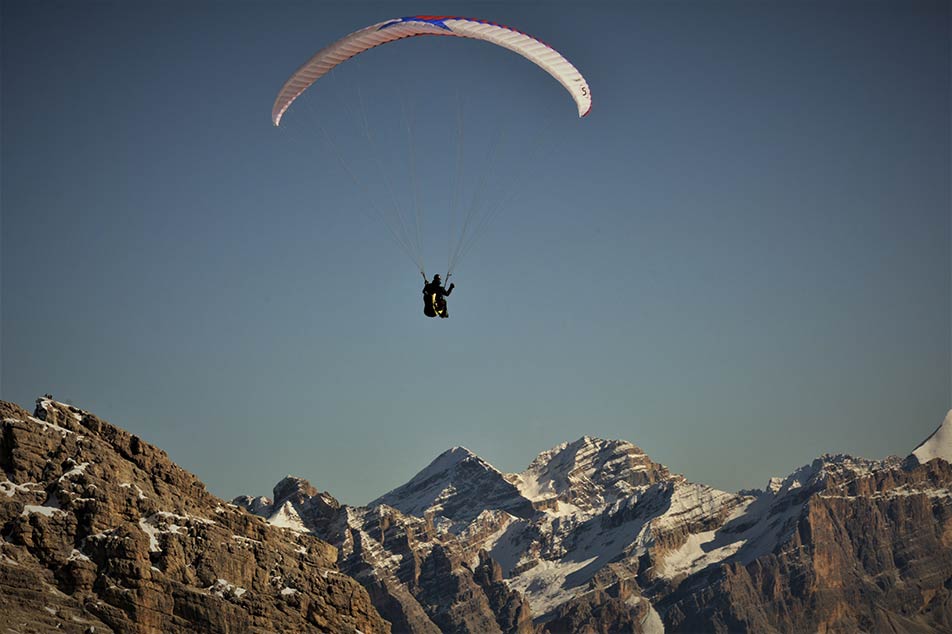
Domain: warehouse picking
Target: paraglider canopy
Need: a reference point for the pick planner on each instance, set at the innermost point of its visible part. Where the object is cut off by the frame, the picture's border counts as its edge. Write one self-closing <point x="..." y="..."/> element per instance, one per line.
<point x="374" y="35"/>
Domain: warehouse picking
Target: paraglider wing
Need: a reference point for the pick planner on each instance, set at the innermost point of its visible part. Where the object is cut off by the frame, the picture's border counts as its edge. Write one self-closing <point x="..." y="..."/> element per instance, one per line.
<point x="532" y="49"/>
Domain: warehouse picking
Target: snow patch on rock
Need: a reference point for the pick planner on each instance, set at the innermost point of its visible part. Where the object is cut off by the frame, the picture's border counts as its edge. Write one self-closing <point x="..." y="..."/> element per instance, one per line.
<point x="287" y="517"/>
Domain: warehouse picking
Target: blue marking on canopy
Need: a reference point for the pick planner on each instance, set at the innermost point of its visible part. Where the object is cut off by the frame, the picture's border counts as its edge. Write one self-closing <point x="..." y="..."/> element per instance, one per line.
<point x="416" y="18"/>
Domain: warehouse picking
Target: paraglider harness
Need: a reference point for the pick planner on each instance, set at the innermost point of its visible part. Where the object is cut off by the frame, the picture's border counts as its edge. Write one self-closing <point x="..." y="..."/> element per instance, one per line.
<point x="434" y="297"/>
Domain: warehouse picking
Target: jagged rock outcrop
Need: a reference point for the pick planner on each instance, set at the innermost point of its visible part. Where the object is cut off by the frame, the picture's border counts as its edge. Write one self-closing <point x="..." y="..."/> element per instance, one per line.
<point x="601" y="611"/>
<point x="456" y="601"/>
<point x="101" y="532"/>
<point x="512" y="611"/>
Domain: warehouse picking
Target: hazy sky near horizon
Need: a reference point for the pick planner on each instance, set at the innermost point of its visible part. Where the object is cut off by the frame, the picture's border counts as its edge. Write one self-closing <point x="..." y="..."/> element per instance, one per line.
<point x="740" y="260"/>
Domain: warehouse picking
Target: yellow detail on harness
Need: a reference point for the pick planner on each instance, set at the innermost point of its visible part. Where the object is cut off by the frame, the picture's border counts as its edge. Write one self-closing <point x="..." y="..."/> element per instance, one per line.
<point x="435" y="305"/>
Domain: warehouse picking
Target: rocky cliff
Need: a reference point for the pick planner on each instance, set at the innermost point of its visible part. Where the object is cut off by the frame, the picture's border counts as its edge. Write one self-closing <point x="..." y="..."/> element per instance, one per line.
<point x="101" y="532"/>
<point x="852" y="547"/>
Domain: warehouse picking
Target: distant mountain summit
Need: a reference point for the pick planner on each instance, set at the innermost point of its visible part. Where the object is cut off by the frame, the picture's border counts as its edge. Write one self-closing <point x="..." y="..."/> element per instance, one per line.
<point x="587" y="474"/>
<point x="457" y="485"/>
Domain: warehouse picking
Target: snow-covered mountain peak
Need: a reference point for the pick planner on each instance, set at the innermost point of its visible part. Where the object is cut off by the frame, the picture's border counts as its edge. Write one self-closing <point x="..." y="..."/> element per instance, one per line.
<point x="588" y="473"/>
<point x="566" y="456"/>
<point x="452" y="457"/>
<point x="457" y="485"/>
<point x="447" y="467"/>
<point x="937" y="445"/>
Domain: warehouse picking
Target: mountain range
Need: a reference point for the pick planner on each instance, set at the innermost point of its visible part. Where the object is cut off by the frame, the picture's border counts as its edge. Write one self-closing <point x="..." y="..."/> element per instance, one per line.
<point x="101" y="530"/>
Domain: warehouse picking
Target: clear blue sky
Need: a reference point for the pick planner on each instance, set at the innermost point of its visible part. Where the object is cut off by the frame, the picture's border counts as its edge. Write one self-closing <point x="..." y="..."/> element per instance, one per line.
<point x="738" y="261"/>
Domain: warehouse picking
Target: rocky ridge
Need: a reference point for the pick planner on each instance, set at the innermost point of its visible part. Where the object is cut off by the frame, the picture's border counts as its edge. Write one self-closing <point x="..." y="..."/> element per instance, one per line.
<point x="101" y="532"/>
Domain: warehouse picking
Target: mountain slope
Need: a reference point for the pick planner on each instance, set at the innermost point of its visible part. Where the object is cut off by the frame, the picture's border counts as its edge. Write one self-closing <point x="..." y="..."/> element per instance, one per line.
<point x="101" y="532"/>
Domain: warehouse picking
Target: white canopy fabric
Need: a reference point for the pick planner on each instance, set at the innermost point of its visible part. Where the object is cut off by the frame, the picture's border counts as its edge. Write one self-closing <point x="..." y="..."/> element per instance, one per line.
<point x="532" y="49"/>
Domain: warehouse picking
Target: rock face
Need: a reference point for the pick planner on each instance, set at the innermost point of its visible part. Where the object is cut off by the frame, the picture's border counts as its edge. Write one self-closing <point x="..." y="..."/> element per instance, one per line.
<point x="101" y="532"/>
<point x="596" y="537"/>
<point x="614" y="609"/>
<point x="858" y="549"/>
